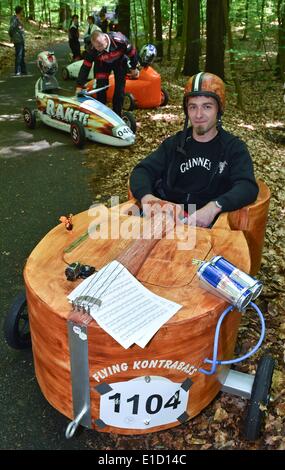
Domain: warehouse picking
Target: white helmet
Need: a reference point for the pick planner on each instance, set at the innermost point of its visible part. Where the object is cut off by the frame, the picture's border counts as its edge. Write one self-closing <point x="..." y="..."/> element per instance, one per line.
<point x="147" y="54"/>
<point x="47" y="63"/>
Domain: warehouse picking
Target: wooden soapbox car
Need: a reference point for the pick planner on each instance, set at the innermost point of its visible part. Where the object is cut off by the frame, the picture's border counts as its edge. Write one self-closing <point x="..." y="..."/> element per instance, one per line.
<point x="87" y="376"/>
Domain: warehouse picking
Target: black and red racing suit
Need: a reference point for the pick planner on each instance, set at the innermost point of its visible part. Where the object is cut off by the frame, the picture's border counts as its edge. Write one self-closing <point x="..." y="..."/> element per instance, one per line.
<point x="116" y="58"/>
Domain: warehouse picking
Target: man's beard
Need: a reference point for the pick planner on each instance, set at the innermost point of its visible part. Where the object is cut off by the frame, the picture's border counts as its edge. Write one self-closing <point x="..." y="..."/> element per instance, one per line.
<point x="202" y="130"/>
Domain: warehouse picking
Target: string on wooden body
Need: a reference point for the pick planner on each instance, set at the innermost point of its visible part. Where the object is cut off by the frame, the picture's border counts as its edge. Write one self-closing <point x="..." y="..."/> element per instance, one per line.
<point x="132" y="258"/>
<point x="84" y="301"/>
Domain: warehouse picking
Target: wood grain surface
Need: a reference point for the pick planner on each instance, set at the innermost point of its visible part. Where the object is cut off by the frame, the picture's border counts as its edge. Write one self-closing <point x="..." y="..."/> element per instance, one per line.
<point x="166" y="271"/>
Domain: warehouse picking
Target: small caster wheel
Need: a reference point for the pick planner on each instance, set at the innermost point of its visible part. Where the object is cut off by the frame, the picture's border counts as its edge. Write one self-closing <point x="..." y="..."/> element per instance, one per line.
<point x="259" y="398"/>
<point x="16" y="326"/>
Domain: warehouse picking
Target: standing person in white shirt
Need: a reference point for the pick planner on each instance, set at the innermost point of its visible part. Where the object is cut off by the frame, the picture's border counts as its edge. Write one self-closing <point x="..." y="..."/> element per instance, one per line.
<point x="91" y="27"/>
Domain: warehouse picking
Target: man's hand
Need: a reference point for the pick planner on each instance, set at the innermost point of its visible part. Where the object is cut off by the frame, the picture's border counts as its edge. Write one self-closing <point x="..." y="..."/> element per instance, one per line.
<point x="134" y="73"/>
<point x="78" y="90"/>
<point x="204" y="216"/>
<point x="153" y="205"/>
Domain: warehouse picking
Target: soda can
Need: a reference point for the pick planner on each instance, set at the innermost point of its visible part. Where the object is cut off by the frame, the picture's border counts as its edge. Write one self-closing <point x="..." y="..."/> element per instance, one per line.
<point x="218" y="283"/>
<point x="242" y="278"/>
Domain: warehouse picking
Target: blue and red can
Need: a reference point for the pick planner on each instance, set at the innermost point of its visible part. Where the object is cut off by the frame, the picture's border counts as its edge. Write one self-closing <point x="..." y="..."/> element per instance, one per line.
<point x="218" y="283"/>
<point x="234" y="273"/>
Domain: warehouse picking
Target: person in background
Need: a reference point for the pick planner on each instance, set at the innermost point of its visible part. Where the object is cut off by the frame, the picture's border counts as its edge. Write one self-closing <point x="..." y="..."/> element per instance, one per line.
<point x="17" y="36"/>
<point x="73" y="38"/>
<point x="110" y="51"/>
<point x="96" y="18"/>
<point x="104" y="24"/>
<point x="91" y="27"/>
<point x="104" y="10"/>
<point x="202" y="169"/>
<point x="114" y="23"/>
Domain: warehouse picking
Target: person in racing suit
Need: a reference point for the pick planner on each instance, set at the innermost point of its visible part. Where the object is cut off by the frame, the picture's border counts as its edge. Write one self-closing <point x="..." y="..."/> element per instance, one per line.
<point x="110" y="51"/>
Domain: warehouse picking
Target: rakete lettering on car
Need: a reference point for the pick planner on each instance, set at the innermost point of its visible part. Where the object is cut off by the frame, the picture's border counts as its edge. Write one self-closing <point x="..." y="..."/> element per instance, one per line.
<point x="65" y="114"/>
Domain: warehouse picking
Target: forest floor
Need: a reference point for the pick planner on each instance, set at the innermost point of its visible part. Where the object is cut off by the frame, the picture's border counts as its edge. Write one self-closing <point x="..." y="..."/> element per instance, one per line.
<point x="261" y="126"/>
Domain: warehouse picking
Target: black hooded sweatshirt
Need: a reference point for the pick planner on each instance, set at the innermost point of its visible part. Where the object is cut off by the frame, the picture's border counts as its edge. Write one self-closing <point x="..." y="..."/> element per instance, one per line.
<point x="185" y="171"/>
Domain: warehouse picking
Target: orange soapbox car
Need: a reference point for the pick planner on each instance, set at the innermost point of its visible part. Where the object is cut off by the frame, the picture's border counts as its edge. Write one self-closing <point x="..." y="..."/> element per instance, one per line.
<point x="143" y="92"/>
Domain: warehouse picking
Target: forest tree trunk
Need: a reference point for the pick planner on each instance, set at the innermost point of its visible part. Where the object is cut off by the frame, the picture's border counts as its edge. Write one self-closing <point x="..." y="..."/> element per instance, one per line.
<point x="170" y="31"/>
<point x="150" y="19"/>
<point x="134" y="23"/>
<point x="144" y="21"/>
<point x="280" y="60"/>
<point x="244" y="38"/>
<point x="179" y="16"/>
<point x="183" y="42"/>
<point x="232" y="56"/>
<point x="31" y="10"/>
<point x="191" y="62"/>
<point x="124" y="14"/>
<point x="215" y="48"/>
<point x="158" y="29"/>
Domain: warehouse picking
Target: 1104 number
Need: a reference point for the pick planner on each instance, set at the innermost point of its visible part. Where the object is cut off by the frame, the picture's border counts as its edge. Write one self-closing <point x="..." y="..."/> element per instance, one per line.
<point x="153" y="403"/>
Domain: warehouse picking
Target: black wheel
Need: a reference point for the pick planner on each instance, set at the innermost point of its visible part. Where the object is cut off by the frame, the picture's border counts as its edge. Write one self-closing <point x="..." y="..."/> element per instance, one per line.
<point x="77" y="132"/>
<point x="65" y="73"/>
<point x="259" y="398"/>
<point x="29" y="116"/>
<point x="164" y="97"/>
<point x="16" y="326"/>
<point x="130" y="120"/>
<point x="129" y="102"/>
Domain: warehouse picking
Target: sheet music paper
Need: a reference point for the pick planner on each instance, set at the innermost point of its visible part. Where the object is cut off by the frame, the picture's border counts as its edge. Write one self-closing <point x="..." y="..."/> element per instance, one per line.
<point x="129" y="312"/>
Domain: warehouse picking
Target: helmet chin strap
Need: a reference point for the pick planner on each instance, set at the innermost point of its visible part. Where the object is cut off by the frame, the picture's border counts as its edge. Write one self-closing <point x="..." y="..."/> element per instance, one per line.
<point x="180" y="147"/>
<point x="219" y="120"/>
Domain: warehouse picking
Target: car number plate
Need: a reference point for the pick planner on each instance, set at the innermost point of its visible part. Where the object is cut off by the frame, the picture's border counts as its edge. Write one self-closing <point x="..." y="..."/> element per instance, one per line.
<point x="143" y="403"/>
<point x="123" y="132"/>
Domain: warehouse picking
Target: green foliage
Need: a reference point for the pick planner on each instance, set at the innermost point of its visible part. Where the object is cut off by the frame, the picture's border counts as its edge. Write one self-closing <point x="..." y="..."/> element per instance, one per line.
<point x="256" y="18"/>
<point x="42" y="12"/>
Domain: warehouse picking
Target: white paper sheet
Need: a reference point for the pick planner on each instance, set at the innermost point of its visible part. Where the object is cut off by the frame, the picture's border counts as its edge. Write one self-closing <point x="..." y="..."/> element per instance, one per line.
<point x="129" y="312"/>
